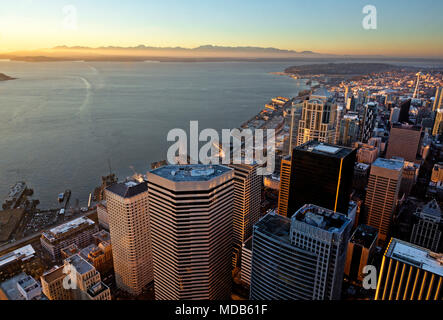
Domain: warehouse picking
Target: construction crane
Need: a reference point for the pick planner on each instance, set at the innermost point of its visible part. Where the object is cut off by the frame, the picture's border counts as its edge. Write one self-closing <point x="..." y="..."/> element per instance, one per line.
<point x="136" y="176"/>
<point x="416" y="93"/>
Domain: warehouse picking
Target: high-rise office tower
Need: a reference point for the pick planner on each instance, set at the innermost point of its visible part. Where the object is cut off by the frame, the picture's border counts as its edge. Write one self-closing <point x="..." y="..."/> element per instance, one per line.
<point x="247" y="204"/>
<point x="382" y="194"/>
<point x="361" y="249"/>
<point x="409" y="272"/>
<point x="361" y="177"/>
<point x="395" y="115"/>
<point x="130" y="235"/>
<point x="405" y="142"/>
<point x="349" y="130"/>
<point x="246" y="261"/>
<point x="437" y="173"/>
<point x="347" y="93"/>
<point x="438" y="123"/>
<point x="427" y="229"/>
<point x="318" y="118"/>
<point x="368" y="121"/>
<point x="301" y="258"/>
<point x="339" y="117"/>
<point x="285" y="181"/>
<point x="191" y="211"/>
<point x="405" y="107"/>
<point x="408" y="178"/>
<point x="296" y="114"/>
<point x="438" y="102"/>
<point x="321" y="174"/>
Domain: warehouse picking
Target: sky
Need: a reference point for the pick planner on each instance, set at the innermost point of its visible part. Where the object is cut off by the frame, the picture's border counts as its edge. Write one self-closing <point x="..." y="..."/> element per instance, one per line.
<point x="412" y="28"/>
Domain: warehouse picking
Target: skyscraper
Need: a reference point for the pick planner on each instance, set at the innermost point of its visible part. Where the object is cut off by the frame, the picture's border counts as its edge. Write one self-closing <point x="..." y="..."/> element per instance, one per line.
<point x="349" y="130"/>
<point x="301" y="258"/>
<point x="409" y="272"/>
<point x="404" y="111"/>
<point x="382" y="194"/>
<point x="285" y="183"/>
<point x="321" y="174"/>
<point x="318" y="118"/>
<point x="438" y="123"/>
<point x="130" y="235"/>
<point x="368" y="121"/>
<point x="405" y="142"/>
<point x="247" y="204"/>
<point x="438" y="102"/>
<point x="191" y="210"/>
<point x="296" y="113"/>
<point x="360" y="252"/>
<point x="246" y="261"/>
<point x="395" y="115"/>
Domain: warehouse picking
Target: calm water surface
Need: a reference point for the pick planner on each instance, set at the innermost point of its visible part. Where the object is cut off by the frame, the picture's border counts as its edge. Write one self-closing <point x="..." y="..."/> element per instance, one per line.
<point x="61" y="122"/>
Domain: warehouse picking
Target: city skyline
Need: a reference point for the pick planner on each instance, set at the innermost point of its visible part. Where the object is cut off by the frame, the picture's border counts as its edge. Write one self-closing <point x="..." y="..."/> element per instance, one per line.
<point x="329" y="28"/>
<point x="244" y="152"/>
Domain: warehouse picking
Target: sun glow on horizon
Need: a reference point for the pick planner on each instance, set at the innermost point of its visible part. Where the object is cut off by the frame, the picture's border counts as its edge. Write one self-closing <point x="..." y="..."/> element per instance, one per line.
<point x="318" y="26"/>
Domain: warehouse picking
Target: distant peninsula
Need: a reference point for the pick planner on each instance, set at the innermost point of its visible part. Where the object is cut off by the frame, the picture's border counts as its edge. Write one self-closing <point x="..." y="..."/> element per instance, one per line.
<point x="4" y="77"/>
<point x="342" y="69"/>
<point x="334" y="73"/>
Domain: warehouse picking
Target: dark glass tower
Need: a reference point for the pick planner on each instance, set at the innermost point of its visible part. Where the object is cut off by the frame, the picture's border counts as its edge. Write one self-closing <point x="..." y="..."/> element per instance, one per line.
<point x="321" y="174"/>
<point x="404" y="111"/>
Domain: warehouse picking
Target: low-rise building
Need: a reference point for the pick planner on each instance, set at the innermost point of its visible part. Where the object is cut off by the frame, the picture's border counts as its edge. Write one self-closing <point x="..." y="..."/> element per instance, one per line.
<point x="78" y="231"/>
<point x="21" y="287"/>
<point x="52" y="284"/>
<point x="85" y="280"/>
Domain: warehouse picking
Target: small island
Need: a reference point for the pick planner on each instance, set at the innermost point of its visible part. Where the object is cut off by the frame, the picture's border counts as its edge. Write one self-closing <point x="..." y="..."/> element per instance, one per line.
<point x="4" y="77"/>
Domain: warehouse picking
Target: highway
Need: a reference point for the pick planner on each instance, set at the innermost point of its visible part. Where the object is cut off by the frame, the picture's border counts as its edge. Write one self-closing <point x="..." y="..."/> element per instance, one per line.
<point x="34" y="237"/>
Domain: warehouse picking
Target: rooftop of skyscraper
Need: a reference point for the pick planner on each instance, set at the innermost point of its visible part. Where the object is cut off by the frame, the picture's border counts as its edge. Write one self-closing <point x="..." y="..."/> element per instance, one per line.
<point x="431" y="211"/>
<point x="275" y="226"/>
<point x="194" y="172"/>
<point x="325" y="149"/>
<point x="391" y="164"/>
<point x="414" y="255"/>
<point x="128" y="189"/>
<point x="364" y="235"/>
<point x="405" y="126"/>
<point x="321" y="218"/>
